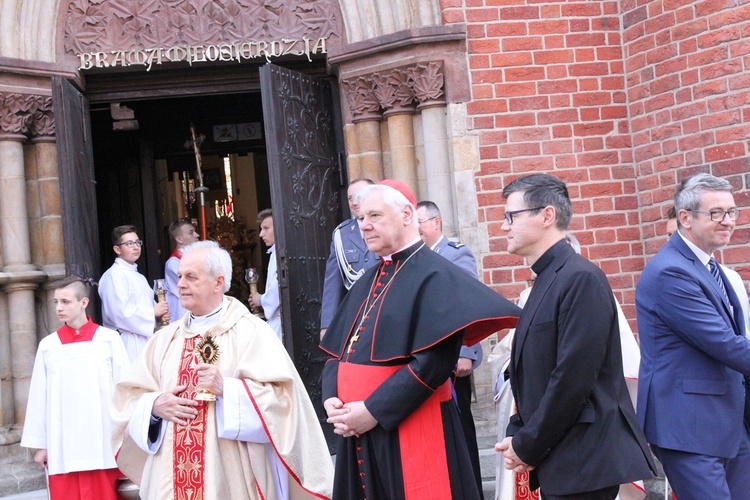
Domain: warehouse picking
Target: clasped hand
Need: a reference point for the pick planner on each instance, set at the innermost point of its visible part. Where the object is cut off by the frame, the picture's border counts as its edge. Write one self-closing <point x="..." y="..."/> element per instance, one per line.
<point x="350" y="419"/>
<point x="512" y="462"/>
<point x="180" y="410"/>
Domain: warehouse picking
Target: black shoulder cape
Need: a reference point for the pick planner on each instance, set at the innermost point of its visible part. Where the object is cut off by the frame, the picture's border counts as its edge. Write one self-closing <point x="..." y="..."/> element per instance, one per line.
<point x="429" y="300"/>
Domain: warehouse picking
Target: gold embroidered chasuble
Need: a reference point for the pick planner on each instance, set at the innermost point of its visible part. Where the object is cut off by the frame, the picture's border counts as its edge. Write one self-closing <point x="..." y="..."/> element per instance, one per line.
<point x="232" y="469"/>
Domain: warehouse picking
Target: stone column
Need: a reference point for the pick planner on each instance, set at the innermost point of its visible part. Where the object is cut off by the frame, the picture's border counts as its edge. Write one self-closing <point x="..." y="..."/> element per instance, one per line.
<point x="401" y="139"/>
<point x="394" y="93"/>
<point x="385" y="148"/>
<point x="366" y="112"/>
<point x="17" y="113"/>
<point x="23" y="341"/>
<point x="33" y="205"/>
<point x="370" y="155"/>
<point x="7" y="410"/>
<point x="50" y="213"/>
<point x="13" y="208"/>
<point x="427" y="82"/>
<point x="351" y="145"/>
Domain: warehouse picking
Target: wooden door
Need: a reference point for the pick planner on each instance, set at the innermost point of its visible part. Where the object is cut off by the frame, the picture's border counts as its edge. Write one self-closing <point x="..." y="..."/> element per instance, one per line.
<point x="304" y="147"/>
<point x="77" y="183"/>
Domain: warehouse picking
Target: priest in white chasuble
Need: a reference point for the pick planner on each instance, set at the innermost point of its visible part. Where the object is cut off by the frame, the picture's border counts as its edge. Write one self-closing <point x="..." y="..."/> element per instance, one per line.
<point x="259" y="439"/>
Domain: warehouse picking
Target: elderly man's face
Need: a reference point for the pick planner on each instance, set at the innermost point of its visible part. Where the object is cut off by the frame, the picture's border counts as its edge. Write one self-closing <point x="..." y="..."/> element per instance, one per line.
<point x="385" y="230"/>
<point x="199" y="293"/>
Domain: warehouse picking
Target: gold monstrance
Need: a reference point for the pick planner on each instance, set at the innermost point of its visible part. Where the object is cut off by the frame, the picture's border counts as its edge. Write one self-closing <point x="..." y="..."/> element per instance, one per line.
<point x="208" y="352"/>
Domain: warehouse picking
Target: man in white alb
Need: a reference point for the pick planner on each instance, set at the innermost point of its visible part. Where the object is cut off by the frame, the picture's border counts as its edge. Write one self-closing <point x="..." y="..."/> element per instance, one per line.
<point x="270" y="301"/>
<point x="183" y="233"/>
<point x="128" y="304"/>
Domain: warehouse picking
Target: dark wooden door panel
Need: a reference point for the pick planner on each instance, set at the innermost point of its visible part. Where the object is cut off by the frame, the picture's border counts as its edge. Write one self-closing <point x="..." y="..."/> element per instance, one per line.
<point x="77" y="182"/>
<point x="303" y="149"/>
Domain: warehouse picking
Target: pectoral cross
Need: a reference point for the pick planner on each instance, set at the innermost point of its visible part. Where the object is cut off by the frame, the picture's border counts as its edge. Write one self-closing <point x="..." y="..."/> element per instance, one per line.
<point x="354" y="338"/>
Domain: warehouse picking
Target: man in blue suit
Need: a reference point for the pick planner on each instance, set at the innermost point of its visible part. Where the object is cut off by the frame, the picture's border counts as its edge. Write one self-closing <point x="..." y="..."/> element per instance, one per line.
<point x="694" y="354"/>
<point x="348" y="260"/>
<point x="431" y="231"/>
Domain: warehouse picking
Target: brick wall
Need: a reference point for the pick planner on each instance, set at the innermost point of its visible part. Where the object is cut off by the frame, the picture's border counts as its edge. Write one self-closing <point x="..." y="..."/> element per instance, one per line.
<point x="688" y="78"/>
<point x="620" y="100"/>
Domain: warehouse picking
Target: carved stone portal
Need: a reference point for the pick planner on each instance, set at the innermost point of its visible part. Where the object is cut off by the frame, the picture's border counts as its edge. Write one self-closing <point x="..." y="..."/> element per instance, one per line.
<point x="107" y="25"/>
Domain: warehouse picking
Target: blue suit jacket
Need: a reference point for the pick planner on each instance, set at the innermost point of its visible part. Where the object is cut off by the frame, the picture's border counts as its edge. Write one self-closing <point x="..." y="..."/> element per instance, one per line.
<point x="358" y="256"/>
<point x="691" y="394"/>
<point x="461" y="256"/>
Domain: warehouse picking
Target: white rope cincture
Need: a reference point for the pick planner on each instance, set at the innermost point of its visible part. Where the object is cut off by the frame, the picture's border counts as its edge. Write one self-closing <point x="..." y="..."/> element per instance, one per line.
<point x="348" y="274"/>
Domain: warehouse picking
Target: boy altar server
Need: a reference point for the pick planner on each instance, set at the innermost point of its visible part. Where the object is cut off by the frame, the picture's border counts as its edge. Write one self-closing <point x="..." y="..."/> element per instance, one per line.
<point x="67" y="418"/>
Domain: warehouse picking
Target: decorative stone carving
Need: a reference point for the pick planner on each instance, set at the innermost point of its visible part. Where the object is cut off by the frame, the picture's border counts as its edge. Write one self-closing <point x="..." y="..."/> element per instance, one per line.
<point x="106" y="25"/>
<point x="362" y="99"/>
<point x="43" y="124"/>
<point x="399" y="87"/>
<point x="427" y="81"/>
<point x="22" y="114"/>
<point x="393" y="90"/>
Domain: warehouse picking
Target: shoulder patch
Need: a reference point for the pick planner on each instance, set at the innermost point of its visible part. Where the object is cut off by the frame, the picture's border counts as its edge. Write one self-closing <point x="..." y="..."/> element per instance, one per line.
<point x="455" y="244"/>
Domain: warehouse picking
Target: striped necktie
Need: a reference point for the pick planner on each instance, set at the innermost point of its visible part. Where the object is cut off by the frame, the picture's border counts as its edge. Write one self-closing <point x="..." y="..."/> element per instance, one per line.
<point x="714" y="268"/>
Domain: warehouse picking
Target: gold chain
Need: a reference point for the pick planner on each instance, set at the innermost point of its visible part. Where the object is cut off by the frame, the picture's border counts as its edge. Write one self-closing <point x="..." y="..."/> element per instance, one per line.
<point x="355" y="337"/>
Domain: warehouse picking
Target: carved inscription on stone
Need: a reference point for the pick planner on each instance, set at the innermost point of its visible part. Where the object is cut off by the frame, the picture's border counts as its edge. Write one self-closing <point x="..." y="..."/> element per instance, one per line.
<point x="130" y="32"/>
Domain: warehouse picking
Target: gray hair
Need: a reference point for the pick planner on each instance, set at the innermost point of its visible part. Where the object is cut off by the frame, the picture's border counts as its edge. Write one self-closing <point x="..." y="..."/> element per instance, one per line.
<point x="391" y="197"/>
<point x="688" y="195"/>
<point x="573" y="242"/>
<point x="542" y="190"/>
<point x="218" y="261"/>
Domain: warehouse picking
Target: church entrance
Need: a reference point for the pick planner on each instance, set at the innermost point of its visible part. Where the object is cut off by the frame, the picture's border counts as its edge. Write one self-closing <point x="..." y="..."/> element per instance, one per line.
<point x="268" y="137"/>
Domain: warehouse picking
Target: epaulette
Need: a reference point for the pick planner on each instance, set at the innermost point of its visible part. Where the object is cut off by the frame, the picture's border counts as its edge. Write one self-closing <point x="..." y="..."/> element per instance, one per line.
<point x="455" y="244"/>
<point x="345" y="223"/>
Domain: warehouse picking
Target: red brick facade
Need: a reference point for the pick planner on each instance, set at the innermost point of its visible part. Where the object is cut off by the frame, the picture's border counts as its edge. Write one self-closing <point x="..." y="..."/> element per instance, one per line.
<point x="621" y="99"/>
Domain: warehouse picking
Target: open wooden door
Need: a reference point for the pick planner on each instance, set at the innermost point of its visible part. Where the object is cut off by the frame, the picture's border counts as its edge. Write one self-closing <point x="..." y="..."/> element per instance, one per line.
<point x="304" y="145"/>
<point x="77" y="183"/>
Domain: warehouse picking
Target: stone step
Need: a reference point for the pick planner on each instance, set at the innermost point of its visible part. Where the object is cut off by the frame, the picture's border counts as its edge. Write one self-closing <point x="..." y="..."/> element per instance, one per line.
<point x="21" y="477"/>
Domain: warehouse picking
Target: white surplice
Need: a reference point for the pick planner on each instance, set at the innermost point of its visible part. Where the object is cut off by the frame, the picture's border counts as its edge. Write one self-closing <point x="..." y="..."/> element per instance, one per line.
<point x="270" y="300"/>
<point x="128" y="305"/>
<point x="68" y="412"/>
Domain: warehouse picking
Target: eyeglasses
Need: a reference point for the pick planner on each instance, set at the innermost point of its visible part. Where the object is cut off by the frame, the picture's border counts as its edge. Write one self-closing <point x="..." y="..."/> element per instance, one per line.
<point x="508" y="216"/>
<point x="131" y="244"/>
<point x="718" y="215"/>
<point x="420" y="222"/>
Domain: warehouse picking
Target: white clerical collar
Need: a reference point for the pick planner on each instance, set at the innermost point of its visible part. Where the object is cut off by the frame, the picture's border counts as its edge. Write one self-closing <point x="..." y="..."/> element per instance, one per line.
<point x="413" y="242"/>
<point x="702" y="256"/>
<point x="437" y="242"/>
<point x="120" y="262"/>
<point x="201" y="324"/>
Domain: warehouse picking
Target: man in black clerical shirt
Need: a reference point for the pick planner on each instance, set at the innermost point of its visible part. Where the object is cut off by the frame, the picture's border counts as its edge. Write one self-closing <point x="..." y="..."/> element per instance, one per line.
<point x="575" y="430"/>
